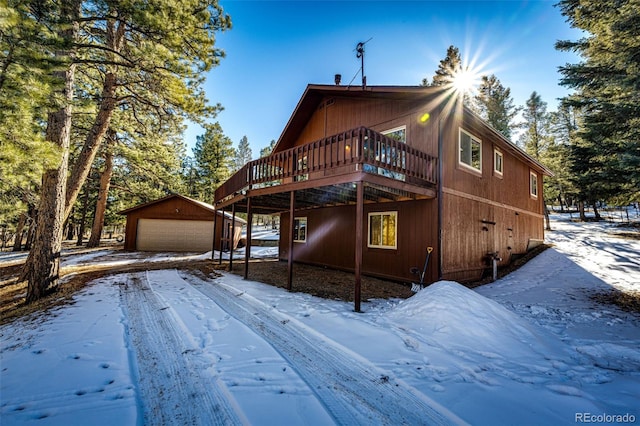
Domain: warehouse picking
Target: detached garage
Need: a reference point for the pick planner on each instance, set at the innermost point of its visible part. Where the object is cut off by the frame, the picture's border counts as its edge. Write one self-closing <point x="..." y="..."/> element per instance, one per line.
<point x="178" y="223"/>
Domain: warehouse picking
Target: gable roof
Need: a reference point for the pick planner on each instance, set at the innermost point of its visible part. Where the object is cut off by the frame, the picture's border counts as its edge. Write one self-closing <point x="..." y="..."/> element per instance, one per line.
<point x="315" y="93"/>
<point x="198" y="203"/>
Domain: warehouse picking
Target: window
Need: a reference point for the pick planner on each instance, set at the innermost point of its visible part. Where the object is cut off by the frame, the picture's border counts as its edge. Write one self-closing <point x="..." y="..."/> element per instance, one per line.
<point x="398" y="133"/>
<point x="383" y="228"/>
<point x="498" y="161"/>
<point x="300" y="230"/>
<point x="470" y="151"/>
<point x="533" y="184"/>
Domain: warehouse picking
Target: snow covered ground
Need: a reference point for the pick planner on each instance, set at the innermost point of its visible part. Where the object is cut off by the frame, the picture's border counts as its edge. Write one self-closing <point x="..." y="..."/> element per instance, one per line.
<point x="166" y="347"/>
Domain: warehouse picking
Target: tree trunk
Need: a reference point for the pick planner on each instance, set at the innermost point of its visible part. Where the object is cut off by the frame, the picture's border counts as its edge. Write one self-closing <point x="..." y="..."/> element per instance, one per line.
<point x="82" y="166"/>
<point x="547" y="221"/>
<point x="596" y="212"/>
<point x="101" y="203"/>
<point x="42" y="268"/>
<point x="83" y="216"/>
<point x="583" y="216"/>
<point x="70" y="228"/>
<point x="31" y="231"/>
<point x="17" y="242"/>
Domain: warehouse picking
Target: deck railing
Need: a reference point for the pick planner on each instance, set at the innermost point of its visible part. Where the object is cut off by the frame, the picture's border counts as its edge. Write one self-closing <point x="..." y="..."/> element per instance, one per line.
<point x="356" y="149"/>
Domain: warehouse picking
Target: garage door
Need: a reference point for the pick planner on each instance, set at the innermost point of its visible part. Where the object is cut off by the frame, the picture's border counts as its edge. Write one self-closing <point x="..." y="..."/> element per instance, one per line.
<point x="174" y="235"/>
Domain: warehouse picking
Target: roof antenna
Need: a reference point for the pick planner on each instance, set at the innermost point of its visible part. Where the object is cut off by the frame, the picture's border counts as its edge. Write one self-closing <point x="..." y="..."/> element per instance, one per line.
<point x="360" y="54"/>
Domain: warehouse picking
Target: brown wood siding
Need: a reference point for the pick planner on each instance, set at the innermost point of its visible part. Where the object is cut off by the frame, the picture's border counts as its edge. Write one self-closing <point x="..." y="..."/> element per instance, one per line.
<point x="331" y="239"/>
<point x="172" y="208"/>
<point x="470" y="198"/>
<point x="335" y="115"/>
<point x="511" y="189"/>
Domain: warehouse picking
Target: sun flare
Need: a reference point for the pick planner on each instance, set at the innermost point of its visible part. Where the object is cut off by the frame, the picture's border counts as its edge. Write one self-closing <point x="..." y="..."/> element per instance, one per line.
<point x="465" y="80"/>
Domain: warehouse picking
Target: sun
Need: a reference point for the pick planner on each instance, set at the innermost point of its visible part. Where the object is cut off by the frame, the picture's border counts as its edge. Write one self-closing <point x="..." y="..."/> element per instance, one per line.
<point x="465" y="80"/>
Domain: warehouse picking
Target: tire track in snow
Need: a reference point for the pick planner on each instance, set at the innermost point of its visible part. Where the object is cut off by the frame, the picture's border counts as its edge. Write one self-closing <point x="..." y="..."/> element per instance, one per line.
<point x="171" y="390"/>
<point x="353" y="390"/>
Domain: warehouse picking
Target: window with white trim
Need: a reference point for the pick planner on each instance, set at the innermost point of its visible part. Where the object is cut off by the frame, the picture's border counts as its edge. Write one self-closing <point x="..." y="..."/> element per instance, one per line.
<point x="498" y="162"/>
<point x="383" y="230"/>
<point x="300" y="230"/>
<point x="470" y="151"/>
<point x="533" y="184"/>
<point x="397" y="133"/>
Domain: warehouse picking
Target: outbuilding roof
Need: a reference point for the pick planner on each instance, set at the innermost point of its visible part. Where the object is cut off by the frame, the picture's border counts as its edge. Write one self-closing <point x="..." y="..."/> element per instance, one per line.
<point x="201" y="204"/>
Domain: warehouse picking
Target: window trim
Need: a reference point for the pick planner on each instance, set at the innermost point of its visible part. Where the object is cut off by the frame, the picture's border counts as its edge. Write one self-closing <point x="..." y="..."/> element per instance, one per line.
<point x="381" y="246"/>
<point x="306" y="229"/>
<point x="464" y="165"/>
<point x="498" y="153"/>
<point x="395" y="129"/>
<point x="533" y="189"/>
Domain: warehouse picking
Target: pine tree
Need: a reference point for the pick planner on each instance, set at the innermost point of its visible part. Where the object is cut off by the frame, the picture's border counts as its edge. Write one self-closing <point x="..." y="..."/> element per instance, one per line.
<point x="142" y="56"/>
<point x="214" y="157"/>
<point x="447" y="69"/>
<point x="606" y="150"/>
<point x="42" y="267"/>
<point x="243" y="153"/>
<point x="535" y="138"/>
<point x="150" y="60"/>
<point x="268" y="150"/>
<point x="495" y="105"/>
<point x="563" y="126"/>
<point x="27" y="85"/>
<point x="535" y="125"/>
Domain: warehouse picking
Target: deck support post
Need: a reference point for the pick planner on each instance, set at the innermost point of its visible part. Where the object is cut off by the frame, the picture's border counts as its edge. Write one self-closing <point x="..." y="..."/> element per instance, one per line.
<point x="247" y="253"/>
<point x="292" y="205"/>
<point x="221" y="237"/>
<point x="359" y="233"/>
<point x="232" y="235"/>
<point x="213" y="243"/>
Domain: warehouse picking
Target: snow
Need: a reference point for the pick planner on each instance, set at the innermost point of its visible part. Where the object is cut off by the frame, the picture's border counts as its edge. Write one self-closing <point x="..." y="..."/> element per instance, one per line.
<point x="164" y="346"/>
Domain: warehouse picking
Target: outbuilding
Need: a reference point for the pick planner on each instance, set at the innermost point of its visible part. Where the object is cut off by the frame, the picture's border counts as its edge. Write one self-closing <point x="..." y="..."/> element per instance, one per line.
<point x="179" y="223"/>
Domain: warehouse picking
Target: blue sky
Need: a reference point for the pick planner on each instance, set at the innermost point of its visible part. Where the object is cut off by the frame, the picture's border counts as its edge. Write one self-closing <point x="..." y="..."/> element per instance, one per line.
<point x="276" y="48"/>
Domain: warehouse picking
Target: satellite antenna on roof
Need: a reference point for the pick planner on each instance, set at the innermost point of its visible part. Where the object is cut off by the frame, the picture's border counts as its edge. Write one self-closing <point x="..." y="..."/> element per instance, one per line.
<point x="360" y="54"/>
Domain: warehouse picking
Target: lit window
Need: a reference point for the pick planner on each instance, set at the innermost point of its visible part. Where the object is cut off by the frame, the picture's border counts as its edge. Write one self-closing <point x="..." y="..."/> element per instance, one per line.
<point x="533" y="184"/>
<point x="383" y="228"/>
<point x="498" y="161"/>
<point x="300" y="229"/>
<point x="470" y="151"/>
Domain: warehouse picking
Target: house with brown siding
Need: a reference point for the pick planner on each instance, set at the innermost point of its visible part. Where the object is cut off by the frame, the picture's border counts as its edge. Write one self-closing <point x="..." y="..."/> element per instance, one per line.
<point x="366" y="179"/>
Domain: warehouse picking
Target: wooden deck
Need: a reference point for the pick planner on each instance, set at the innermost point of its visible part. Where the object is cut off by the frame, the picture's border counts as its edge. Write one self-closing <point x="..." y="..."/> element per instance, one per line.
<point x="325" y="169"/>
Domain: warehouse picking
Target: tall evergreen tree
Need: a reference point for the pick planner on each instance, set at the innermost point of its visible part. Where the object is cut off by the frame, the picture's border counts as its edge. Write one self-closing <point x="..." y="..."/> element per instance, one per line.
<point x="268" y="150"/>
<point x="495" y="105"/>
<point x="563" y="126"/>
<point x="27" y="85"/>
<point x="148" y="54"/>
<point x="42" y="267"/>
<point x="243" y="153"/>
<point x="447" y="69"/>
<point x="535" y="125"/>
<point x="606" y="152"/>
<point x="535" y="138"/>
<point x="214" y="158"/>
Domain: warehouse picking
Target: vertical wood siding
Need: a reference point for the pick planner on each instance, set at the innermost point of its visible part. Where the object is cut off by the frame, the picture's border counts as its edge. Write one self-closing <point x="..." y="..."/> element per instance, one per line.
<point x="331" y="239"/>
